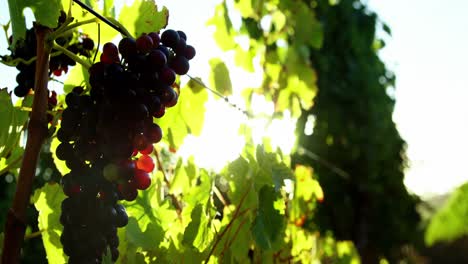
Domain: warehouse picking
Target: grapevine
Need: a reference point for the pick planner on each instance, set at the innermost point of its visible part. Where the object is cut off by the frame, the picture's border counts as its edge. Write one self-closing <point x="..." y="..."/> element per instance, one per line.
<point x="26" y="50"/>
<point x="107" y="137"/>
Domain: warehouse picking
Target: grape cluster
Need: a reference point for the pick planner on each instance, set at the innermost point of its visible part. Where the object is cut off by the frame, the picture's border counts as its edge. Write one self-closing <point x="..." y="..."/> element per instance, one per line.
<point x="107" y="137"/>
<point x="58" y="64"/>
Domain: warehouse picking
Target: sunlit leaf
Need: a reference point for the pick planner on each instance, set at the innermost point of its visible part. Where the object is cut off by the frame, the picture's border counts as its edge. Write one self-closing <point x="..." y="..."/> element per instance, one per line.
<point x="219" y="77"/>
<point x="60" y="164"/>
<point x="449" y="222"/>
<point x="47" y="201"/>
<point x="186" y="117"/>
<point x="222" y="22"/>
<point x="46" y="13"/>
<point x="143" y="16"/>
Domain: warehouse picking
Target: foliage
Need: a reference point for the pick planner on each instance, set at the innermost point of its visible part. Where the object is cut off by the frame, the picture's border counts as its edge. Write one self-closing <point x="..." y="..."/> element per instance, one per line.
<point x="278" y="37"/>
<point x="449" y="223"/>
<point x="354" y="132"/>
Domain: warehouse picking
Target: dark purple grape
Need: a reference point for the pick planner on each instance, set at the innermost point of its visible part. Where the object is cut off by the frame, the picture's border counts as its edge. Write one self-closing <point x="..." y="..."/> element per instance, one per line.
<point x="21" y="91"/>
<point x="165" y="50"/>
<point x="170" y="38"/>
<point x="157" y="59"/>
<point x="156" y="39"/>
<point x="127" y="47"/>
<point x="182" y="35"/>
<point x="88" y="44"/>
<point x="180" y="65"/>
<point x="180" y="48"/>
<point x="189" y="52"/>
<point x="110" y="50"/>
<point x="167" y="75"/>
<point x="166" y="95"/>
<point x="144" y="44"/>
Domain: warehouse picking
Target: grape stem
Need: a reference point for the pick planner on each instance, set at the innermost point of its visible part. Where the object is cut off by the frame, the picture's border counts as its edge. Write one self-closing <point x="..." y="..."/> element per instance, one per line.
<point x="16" y="61"/>
<point x="15" y="225"/>
<point x="235" y="216"/>
<point x="72" y="55"/>
<point x="62" y="30"/>
<point x="118" y="27"/>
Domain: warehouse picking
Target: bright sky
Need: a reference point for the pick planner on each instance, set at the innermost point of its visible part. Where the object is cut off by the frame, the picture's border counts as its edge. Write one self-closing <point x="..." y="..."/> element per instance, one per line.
<point x="428" y="52"/>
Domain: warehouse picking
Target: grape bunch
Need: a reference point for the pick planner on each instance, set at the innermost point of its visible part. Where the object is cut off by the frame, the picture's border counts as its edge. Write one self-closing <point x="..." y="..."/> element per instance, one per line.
<point x="26" y="50"/>
<point x="107" y="137"/>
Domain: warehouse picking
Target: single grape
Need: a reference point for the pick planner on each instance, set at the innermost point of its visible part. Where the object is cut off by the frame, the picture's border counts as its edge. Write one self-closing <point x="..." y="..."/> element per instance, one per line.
<point x="189" y="52"/>
<point x="154" y="133"/>
<point x="21" y="91"/>
<point x="157" y="59"/>
<point x="144" y="44"/>
<point x="180" y="65"/>
<point x="182" y="35"/>
<point x="170" y="38"/>
<point x="111" y="50"/>
<point x="128" y="191"/>
<point x="160" y="113"/>
<point x="181" y="46"/>
<point x="141" y="180"/>
<point x="127" y="47"/>
<point x="156" y="39"/>
<point x="167" y="75"/>
<point x="148" y="150"/>
<point x="145" y="163"/>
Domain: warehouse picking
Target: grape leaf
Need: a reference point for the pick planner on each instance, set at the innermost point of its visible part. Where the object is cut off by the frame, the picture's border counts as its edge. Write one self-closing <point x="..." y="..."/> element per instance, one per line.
<point x="60" y="164"/>
<point x="46" y="13"/>
<point x="268" y="224"/>
<point x="187" y="116"/>
<point x="198" y="233"/>
<point x="147" y="238"/>
<point x="103" y="32"/>
<point x="12" y="121"/>
<point x="219" y="77"/>
<point x="47" y="201"/>
<point x="223" y="34"/>
<point x="143" y="17"/>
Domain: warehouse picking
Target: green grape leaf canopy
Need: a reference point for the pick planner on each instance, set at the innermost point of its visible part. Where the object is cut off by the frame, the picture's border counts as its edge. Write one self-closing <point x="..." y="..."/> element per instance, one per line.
<point x="149" y="18"/>
<point x="47" y="201"/>
<point x="268" y="222"/>
<point x="46" y="13"/>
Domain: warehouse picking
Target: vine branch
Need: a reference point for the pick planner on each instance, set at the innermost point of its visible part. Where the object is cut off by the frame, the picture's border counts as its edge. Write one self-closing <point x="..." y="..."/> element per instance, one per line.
<point x="173" y="198"/>
<point x="120" y="29"/>
<point x="228" y="226"/>
<point x="15" y="225"/>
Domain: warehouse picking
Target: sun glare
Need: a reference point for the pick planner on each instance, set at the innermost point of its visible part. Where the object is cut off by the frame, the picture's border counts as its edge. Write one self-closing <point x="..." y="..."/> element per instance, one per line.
<point x="222" y="138"/>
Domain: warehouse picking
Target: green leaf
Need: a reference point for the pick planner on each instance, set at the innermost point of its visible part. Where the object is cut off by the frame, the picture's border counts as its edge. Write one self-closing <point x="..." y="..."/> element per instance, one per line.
<point x="47" y="201"/>
<point x="12" y="122"/>
<point x="46" y="13"/>
<point x="186" y="117"/>
<point x="244" y="58"/>
<point x="102" y="31"/>
<point x="60" y="164"/>
<point x="219" y="77"/>
<point x="143" y="17"/>
<point x="268" y="225"/>
<point x="197" y="233"/>
<point x="147" y="238"/>
<point x="223" y="34"/>
<point x="449" y="223"/>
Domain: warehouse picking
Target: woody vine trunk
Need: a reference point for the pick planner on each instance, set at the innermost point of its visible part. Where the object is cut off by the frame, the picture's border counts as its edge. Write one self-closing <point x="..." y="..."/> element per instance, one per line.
<point x="37" y="132"/>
